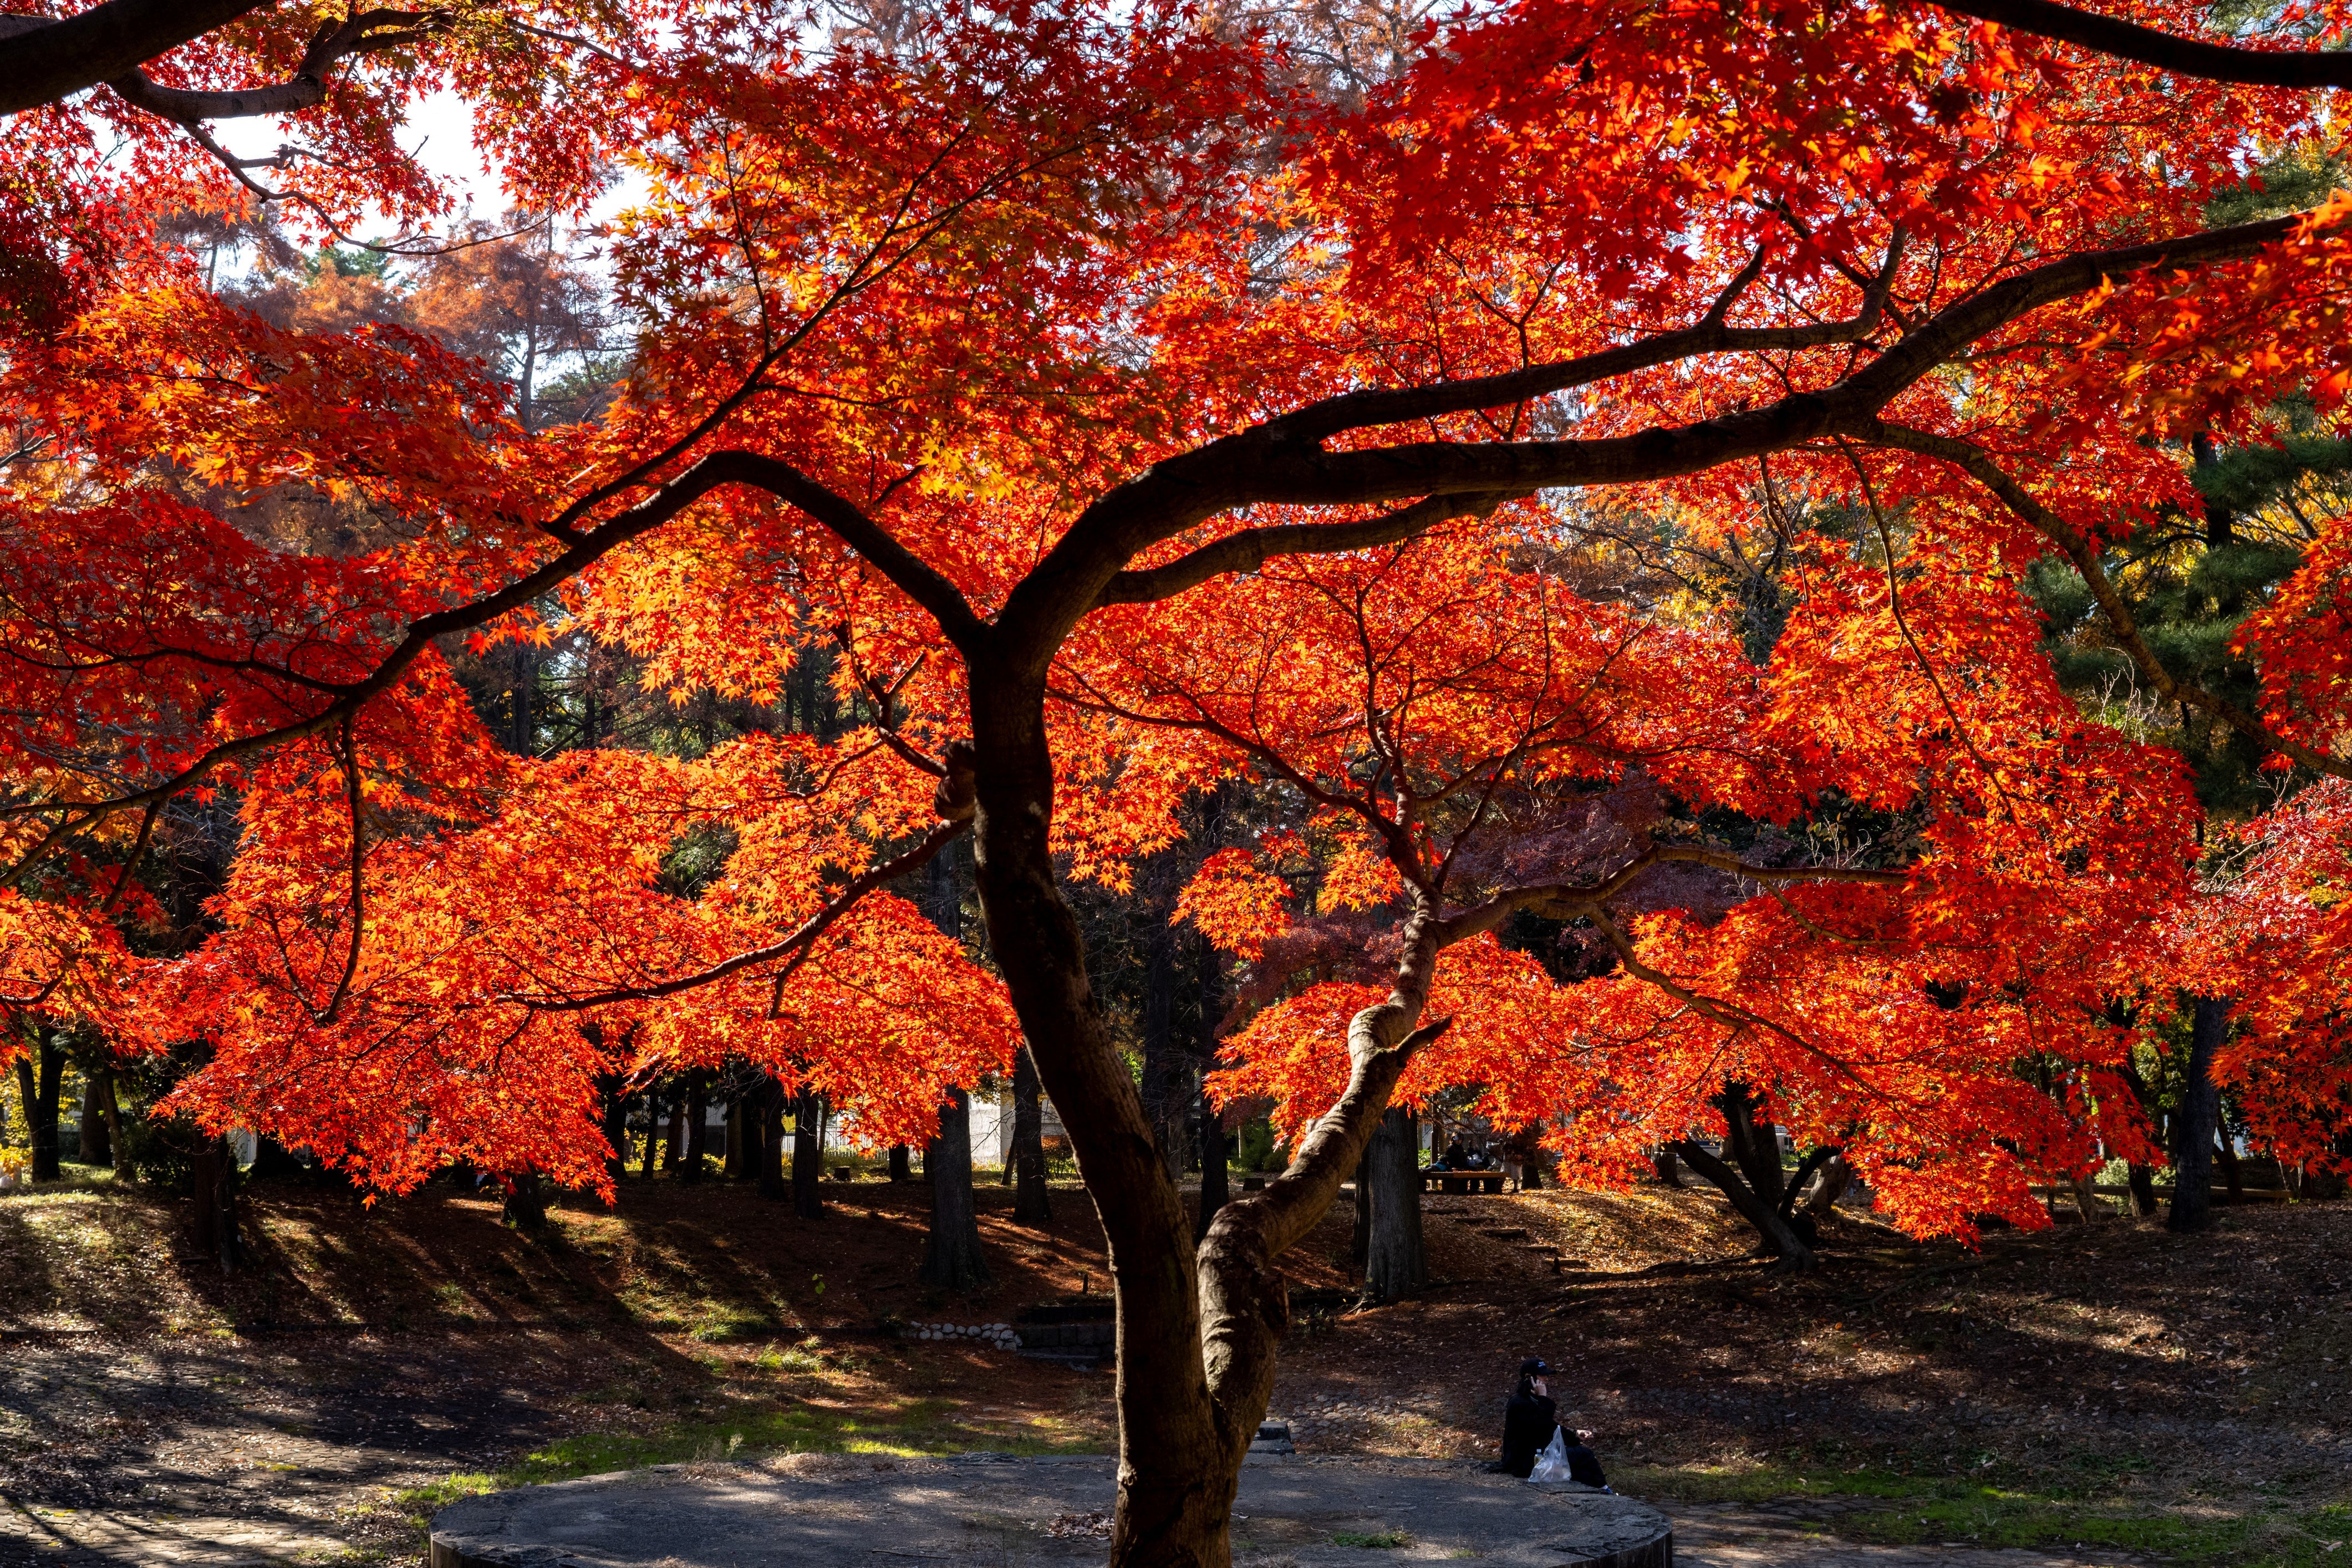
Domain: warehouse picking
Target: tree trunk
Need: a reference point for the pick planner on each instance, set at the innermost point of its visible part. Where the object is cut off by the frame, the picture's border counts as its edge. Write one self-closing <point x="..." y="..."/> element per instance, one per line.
<point x="1033" y="1200"/>
<point x="1396" y="1264"/>
<point x="2193" y="1124"/>
<point x="951" y="1260"/>
<point x="773" y="1184"/>
<point x="697" y="1124"/>
<point x="114" y="1106"/>
<point x="1359" y="1233"/>
<point x="97" y="1137"/>
<point x="1669" y="1168"/>
<point x="1208" y="977"/>
<point x="39" y="1092"/>
<point x="1197" y="1330"/>
<point x="612" y="1091"/>
<point x="808" y="1156"/>
<point x="1162" y="1073"/>
<point x="212" y="1181"/>
<point x="2234" y="1180"/>
<point x="673" y="1140"/>
<point x="653" y="1131"/>
<point x="902" y="1166"/>
<point x="2087" y="1201"/>
<point x="2143" y="1190"/>
<point x="1828" y="1185"/>
<point x="1780" y="1237"/>
<point x="742" y="1117"/>
<point x="1216" y="1189"/>
<point x="526" y="1204"/>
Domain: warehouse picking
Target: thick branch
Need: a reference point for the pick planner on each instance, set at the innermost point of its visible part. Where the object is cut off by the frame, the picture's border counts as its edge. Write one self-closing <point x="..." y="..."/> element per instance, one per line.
<point x="1251" y="548"/>
<point x="47" y="60"/>
<point x="2125" y="40"/>
<point x="2084" y="554"/>
<point x="1576" y="898"/>
<point x="369" y="32"/>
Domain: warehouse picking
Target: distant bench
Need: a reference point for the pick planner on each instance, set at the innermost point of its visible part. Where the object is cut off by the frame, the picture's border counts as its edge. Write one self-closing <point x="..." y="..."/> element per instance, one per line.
<point x="1461" y="1181"/>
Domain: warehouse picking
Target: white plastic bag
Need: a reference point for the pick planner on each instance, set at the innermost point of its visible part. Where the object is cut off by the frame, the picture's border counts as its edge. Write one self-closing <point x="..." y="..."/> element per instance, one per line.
<point x="1552" y="1465"/>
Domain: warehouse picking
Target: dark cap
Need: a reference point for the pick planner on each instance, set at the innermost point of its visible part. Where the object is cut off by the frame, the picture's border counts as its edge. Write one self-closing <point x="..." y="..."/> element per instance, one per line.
<point x="1533" y="1367"/>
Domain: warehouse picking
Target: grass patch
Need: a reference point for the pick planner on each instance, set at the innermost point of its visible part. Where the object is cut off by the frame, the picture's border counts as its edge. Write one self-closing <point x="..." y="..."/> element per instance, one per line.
<point x="1384" y="1541"/>
<point x="2005" y="1511"/>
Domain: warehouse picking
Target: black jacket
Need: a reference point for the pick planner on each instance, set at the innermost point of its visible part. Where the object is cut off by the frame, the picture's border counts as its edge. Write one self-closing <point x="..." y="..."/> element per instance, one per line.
<point x="1527" y="1424"/>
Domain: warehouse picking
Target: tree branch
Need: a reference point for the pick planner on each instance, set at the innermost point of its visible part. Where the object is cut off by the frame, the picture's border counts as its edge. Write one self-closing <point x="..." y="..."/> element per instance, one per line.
<point x="369" y="32"/>
<point x="2084" y="554"/>
<point x="2120" y="39"/>
<point x="1249" y="550"/>
<point x="48" y="60"/>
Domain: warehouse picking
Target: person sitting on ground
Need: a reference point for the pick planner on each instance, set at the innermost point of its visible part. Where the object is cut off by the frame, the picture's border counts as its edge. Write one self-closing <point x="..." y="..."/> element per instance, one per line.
<point x="1583" y="1465"/>
<point x="1528" y="1420"/>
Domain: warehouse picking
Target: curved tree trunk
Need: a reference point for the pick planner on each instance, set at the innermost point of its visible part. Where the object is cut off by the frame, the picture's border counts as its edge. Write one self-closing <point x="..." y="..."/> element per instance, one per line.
<point x="1197" y="1331"/>
<point x="2193" y="1124"/>
<point x="951" y="1260"/>
<point x="1033" y="1200"/>
<point x="1396" y="1263"/>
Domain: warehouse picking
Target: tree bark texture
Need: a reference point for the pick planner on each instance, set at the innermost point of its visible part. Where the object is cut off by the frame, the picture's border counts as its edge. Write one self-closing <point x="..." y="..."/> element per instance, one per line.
<point x="653" y="1132"/>
<point x="1396" y="1261"/>
<point x="808" y="1156"/>
<point x="952" y="1257"/>
<point x="1032" y="1199"/>
<point x="742" y="1124"/>
<point x="902" y="1165"/>
<point x="612" y="1094"/>
<point x="2194" y="1121"/>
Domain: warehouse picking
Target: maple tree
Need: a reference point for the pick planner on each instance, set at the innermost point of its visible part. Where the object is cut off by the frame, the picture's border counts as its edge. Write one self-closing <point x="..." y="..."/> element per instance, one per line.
<point x="1012" y="361"/>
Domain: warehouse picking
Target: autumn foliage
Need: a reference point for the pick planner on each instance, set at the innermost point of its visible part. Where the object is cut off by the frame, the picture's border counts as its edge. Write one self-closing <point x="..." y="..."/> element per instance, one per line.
<point x="1575" y="484"/>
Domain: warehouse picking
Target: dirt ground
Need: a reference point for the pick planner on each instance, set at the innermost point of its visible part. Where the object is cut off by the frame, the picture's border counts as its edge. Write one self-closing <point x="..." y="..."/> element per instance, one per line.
<point x="2145" y="1395"/>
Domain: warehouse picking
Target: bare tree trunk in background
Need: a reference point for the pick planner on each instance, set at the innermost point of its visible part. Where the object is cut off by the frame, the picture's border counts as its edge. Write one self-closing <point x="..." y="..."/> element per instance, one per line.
<point x="2225" y="1154"/>
<point x="902" y="1165"/>
<point x="613" y="1096"/>
<point x="39" y="1091"/>
<point x="1216" y="1156"/>
<point x="1360" y="1235"/>
<point x="1033" y="1200"/>
<point x="771" y="1102"/>
<point x="212" y="1180"/>
<point x="2194" y="1121"/>
<point x="742" y="1132"/>
<point x="653" y="1132"/>
<point x="114" y="1108"/>
<point x="1669" y="1168"/>
<point x="952" y="1257"/>
<point x="697" y="1124"/>
<point x="808" y="1156"/>
<point x="673" y="1140"/>
<point x="1163" y="1073"/>
<point x="1396" y="1263"/>
<point x="97" y="1137"/>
